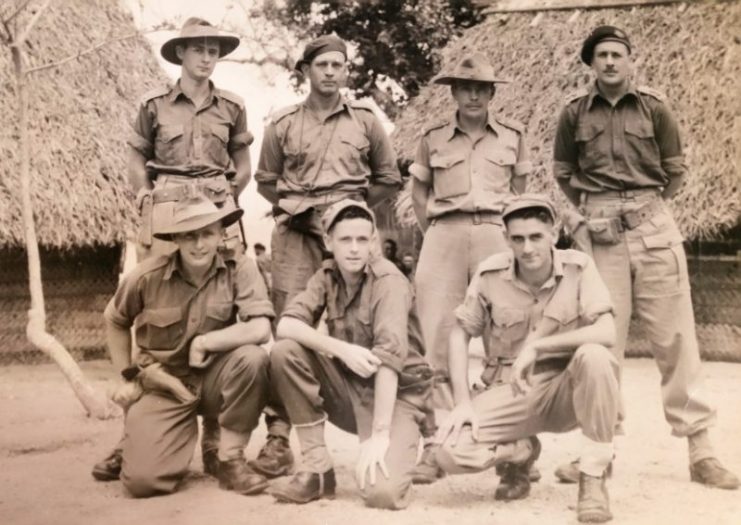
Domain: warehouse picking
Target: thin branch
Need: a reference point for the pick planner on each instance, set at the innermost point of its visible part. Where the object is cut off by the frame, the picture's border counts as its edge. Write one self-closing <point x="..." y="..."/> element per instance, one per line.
<point x="22" y="39"/>
<point x="17" y="12"/>
<point x="267" y="59"/>
<point x="81" y="54"/>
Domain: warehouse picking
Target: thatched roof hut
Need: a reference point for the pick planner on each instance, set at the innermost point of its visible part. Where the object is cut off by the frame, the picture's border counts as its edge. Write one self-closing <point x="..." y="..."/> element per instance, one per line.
<point x="691" y="52"/>
<point x="80" y="115"/>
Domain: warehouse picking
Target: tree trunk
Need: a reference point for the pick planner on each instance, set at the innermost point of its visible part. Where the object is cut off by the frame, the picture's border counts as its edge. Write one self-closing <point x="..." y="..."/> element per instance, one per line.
<point x="94" y="403"/>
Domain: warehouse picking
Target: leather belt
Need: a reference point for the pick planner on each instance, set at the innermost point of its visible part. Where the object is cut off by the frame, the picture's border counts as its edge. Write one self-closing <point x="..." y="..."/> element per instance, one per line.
<point x="475" y="217"/>
<point x="625" y="194"/>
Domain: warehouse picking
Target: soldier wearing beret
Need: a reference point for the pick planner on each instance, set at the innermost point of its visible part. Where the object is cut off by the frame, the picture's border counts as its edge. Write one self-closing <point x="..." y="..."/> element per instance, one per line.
<point x="465" y="170"/>
<point x="552" y="322"/>
<point x="367" y="376"/>
<point x="320" y="151"/>
<point x="191" y="135"/>
<point x="618" y="157"/>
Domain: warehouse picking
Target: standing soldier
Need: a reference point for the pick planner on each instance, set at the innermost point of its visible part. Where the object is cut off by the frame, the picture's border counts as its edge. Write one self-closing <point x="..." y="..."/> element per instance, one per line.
<point x="188" y="137"/>
<point x="465" y="170"/>
<point x="315" y="153"/>
<point x="617" y="157"/>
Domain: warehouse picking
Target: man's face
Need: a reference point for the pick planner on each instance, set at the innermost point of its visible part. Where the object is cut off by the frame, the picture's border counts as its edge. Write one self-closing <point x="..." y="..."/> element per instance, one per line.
<point x="389" y="250"/>
<point x="327" y="73"/>
<point x="472" y="97"/>
<point x="199" y="57"/>
<point x="531" y="240"/>
<point x="198" y="248"/>
<point x="350" y="243"/>
<point x="408" y="262"/>
<point x="611" y="62"/>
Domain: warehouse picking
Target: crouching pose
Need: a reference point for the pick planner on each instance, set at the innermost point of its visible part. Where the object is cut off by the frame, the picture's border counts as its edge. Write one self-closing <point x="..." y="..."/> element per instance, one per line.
<point x="552" y="319"/>
<point x="198" y="319"/>
<point x="367" y="376"/>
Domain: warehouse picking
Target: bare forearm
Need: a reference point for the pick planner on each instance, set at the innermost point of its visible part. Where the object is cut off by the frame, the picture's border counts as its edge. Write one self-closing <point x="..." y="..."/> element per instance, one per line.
<point x="458" y="364"/>
<point x="137" y="171"/>
<point x="379" y="192"/>
<point x="308" y="336"/>
<point x="672" y="187"/>
<point x="571" y="193"/>
<point x="420" y="194"/>
<point x="519" y="184"/>
<point x="119" y="346"/>
<point x="242" y="165"/>
<point x="386" y="386"/>
<point x="253" y="332"/>
<point x="601" y="332"/>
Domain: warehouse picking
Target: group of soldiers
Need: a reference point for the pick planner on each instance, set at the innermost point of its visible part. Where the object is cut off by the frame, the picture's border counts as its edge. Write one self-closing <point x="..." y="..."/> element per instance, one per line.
<point x="392" y="363"/>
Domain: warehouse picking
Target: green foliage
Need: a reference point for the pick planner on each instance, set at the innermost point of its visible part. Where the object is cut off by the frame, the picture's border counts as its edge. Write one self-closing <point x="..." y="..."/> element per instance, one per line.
<point x="398" y="39"/>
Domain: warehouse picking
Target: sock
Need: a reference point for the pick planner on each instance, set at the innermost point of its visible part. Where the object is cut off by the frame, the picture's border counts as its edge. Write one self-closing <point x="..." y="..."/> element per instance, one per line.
<point x="700" y="446"/>
<point x="595" y="457"/>
<point x="313" y="448"/>
<point x="231" y="444"/>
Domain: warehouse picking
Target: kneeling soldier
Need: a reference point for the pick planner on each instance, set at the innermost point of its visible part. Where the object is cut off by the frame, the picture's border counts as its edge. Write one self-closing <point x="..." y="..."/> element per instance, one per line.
<point x="552" y="320"/>
<point x="367" y="376"/>
<point x="199" y="320"/>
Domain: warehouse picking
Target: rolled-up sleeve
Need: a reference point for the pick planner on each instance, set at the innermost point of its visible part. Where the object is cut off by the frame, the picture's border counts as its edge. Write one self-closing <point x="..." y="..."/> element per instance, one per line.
<point x="381" y="158"/>
<point x="127" y="303"/>
<point x="239" y="136"/>
<point x="390" y="304"/>
<point x="309" y="305"/>
<point x="270" y="164"/>
<point x="141" y="137"/>
<point x="669" y="142"/>
<point x="594" y="298"/>
<point x="250" y="294"/>
<point x="473" y="314"/>
<point x="420" y="168"/>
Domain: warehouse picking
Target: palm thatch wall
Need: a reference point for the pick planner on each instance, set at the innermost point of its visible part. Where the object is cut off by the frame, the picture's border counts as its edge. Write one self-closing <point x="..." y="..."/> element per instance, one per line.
<point x="80" y="115"/>
<point x="691" y="52"/>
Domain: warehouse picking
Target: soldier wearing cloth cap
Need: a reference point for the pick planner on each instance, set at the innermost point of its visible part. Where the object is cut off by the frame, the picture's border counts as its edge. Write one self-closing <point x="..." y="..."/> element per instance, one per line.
<point x="188" y="137"/>
<point x="199" y="320"/>
<point x="618" y="155"/>
<point x="367" y="376"/>
<point x="465" y="170"/>
<point x="315" y="153"/>
<point x="551" y="317"/>
<point x="189" y="133"/>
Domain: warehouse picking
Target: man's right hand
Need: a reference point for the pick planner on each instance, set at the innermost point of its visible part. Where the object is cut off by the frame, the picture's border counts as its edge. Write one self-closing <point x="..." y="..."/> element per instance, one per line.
<point x="462" y="413"/>
<point x="126" y="393"/>
<point x="359" y="359"/>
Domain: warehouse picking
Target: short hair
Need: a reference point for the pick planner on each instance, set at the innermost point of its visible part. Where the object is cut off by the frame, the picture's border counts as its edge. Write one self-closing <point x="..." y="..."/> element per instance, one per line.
<point x="259" y="246"/>
<point x="351" y="212"/>
<point x="391" y="242"/>
<point x="534" y="212"/>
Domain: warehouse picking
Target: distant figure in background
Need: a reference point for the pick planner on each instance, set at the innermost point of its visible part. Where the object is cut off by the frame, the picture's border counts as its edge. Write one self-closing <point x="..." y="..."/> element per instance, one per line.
<point x="408" y="266"/>
<point x="390" y="251"/>
<point x="263" y="264"/>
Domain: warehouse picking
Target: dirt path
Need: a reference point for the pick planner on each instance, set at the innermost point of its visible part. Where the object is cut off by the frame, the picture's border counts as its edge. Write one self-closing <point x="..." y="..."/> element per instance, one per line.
<point x="47" y="448"/>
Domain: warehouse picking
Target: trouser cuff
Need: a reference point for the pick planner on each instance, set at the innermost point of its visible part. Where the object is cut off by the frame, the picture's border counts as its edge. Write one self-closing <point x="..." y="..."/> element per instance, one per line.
<point x="595" y="457"/>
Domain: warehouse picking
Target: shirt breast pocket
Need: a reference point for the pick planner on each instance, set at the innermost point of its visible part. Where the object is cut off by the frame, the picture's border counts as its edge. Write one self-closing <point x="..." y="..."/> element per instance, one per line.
<point x="353" y="154"/>
<point x="509" y="328"/>
<point x="218" y="315"/>
<point x="449" y="176"/>
<point x="498" y="170"/>
<point x="160" y="328"/>
<point x="218" y="139"/>
<point x="169" y="144"/>
<point x="363" y="329"/>
<point x="640" y="143"/>
<point x="588" y="137"/>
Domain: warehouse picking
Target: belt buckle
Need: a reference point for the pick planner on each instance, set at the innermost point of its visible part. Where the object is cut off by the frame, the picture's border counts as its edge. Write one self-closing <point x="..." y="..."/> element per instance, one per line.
<point x="476" y="218"/>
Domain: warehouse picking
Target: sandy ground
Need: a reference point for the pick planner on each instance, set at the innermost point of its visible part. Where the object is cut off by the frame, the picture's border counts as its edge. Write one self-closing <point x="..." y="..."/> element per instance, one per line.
<point x="47" y="447"/>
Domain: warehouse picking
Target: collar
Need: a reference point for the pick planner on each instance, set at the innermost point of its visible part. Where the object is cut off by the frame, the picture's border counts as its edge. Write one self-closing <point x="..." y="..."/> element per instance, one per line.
<point x="595" y="92"/>
<point x="342" y="105"/>
<point x="174" y="265"/>
<point x="452" y="126"/>
<point x="177" y="91"/>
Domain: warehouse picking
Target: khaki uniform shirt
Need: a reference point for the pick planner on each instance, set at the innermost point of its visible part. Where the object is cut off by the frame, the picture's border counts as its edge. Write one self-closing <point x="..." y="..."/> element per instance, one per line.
<point x="178" y="138"/>
<point x="470" y="176"/>
<point x="633" y="145"/>
<point x="343" y="154"/>
<point x="169" y="311"/>
<point x="380" y="315"/>
<point x="574" y="296"/>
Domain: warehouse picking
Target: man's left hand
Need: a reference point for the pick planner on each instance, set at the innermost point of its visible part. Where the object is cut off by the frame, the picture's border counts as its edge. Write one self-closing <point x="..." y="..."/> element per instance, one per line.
<point x="372" y="454"/>
<point x="522" y="369"/>
<point x="198" y="354"/>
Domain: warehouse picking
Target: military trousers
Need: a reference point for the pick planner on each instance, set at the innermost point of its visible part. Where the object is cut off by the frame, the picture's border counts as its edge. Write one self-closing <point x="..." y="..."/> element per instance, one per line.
<point x="452" y="249"/>
<point x="646" y="272"/>
<point x="160" y="432"/>
<point x="584" y="394"/>
<point x="315" y="388"/>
